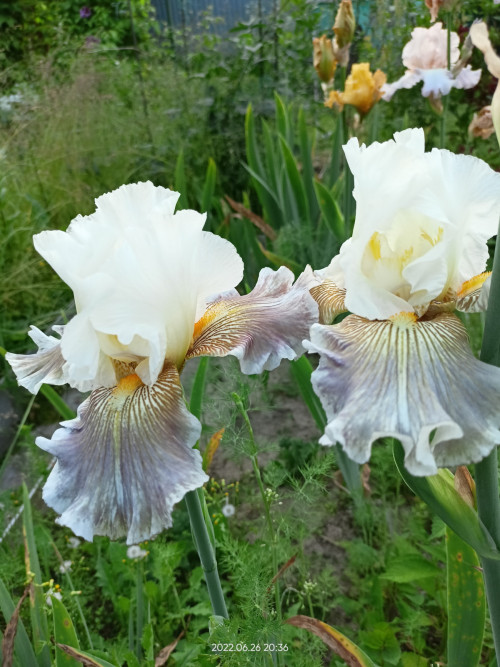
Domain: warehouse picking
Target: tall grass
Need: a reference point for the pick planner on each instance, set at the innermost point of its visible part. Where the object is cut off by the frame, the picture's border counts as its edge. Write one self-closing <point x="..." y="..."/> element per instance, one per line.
<point x="78" y="134"/>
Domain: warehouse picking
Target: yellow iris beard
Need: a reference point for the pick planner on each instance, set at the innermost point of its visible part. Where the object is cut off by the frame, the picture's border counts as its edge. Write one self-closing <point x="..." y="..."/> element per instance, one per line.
<point x="473" y="284"/>
<point x="127" y="385"/>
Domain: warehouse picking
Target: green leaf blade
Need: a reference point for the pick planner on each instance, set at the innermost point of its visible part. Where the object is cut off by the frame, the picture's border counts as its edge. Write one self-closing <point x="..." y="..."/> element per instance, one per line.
<point x="466" y="603"/>
<point x="64" y="633"/>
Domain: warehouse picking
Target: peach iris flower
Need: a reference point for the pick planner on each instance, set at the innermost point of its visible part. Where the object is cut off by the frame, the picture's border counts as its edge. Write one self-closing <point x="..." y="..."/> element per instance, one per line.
<point x="426" y="59"/>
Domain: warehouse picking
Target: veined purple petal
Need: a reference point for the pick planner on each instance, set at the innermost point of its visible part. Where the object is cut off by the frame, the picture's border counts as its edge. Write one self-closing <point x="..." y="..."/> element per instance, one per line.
<point x="260" y="328"/>
<point x="416" y="381"/>
<point x="330" y="300"/>
<point x="125" y="461"/>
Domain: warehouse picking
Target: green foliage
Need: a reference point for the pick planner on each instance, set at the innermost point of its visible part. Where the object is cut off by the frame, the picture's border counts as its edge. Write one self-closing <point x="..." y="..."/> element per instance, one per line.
<point x="302" y="210"/>
<point x="466" y="603"/>
<point x="438" y="491"/>
<point x="89" y="118"/>
<point x="32" y="27"/>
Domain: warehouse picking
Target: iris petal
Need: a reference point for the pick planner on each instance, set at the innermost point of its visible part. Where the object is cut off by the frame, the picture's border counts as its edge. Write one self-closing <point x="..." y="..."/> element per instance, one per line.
<point x="32" y="370"/>
<point x="473" y="294"/>
<point x="125" y="460"/>
<point x="330" y="300"/>
<point x="260" y="328"/>
<point x="414" y="381"/>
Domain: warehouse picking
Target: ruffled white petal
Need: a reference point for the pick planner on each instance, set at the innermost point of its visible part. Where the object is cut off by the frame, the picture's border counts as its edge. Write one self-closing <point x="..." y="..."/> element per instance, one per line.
<point x="437" y="82"/>
<point x="422" y="222"/>
<point x="144" y="203"/>
<point x="468" y="193"/>
<point x="428" y="48"/>
<point x="140" y="274"/>
<point x="408" y="80"/>
<point x="260" y="328"/>
<point x="414" y="381"/>
<point x="381" y="171"/>
<point x="45" y="366"/>
<point x="467" y="78"/>
<point x="125" y="461"/>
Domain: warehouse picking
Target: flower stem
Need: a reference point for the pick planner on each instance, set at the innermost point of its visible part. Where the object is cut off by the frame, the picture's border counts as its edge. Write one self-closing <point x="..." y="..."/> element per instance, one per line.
<point x="444" y="113"/>
<point x="139" y="626"/>
<point x="205" y="544"/>
<point x="270" y="529"/>
<point x="486" y="472"/>
<point x="206" y="553"/>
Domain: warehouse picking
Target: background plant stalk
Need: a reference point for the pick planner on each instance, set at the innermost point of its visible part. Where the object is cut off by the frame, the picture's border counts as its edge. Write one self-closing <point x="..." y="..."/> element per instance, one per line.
<point x="486" y="471"/>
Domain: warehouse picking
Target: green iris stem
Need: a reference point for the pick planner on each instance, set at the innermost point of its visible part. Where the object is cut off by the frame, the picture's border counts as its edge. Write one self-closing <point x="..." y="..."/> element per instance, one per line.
<point x="198" y="518"/>
<point x="139" y="609"/>
<point x="206" y="553"/>
<point x="486" y="472"/>
<point x="442" y="138"/>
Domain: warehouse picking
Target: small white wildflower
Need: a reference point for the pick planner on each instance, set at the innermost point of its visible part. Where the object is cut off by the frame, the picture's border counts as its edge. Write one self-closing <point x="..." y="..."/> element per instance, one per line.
<point x="73" y="542"/>
<point x="65" y="566"/>
<point x="7" y="101"/>
<point x="270" y="495"/>
<point x="309" y="586"/>
<point x="50" y="595"/>
<point x="135" y="551"/>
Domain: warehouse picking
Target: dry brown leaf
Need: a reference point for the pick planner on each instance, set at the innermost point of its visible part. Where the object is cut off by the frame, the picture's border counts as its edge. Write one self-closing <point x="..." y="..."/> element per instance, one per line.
<point x="167" y="651"/>
<point x="253" y="217"/>
<point x="465" y="485"/>
<point x="9" y="635"/>
<point x="281" y="571"/>
<point x="365" y="479"/>
<point x="336" y="641"/>
<point x="211" y="448"/>
<point x="75" y="653"/>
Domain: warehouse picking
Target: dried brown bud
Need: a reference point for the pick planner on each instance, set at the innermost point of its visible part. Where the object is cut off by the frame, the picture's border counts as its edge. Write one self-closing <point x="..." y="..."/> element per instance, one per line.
<point x="482" y="124"/>
<point x="344" y="24"/>
<point x="465" y="486"/>
<point x="435" y="5"/>
<point x="324" y="58"/>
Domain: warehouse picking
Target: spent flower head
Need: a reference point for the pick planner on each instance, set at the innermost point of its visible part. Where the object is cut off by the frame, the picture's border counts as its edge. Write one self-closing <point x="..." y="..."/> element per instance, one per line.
<point x="135" y="552"/>
<point x="228" y="509"/>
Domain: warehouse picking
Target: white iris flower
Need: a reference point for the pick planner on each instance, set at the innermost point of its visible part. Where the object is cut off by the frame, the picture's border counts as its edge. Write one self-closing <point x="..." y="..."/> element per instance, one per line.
<point x="400" y="364"/>
<point x="426" y="59"/>
<point x="152" y="289"/>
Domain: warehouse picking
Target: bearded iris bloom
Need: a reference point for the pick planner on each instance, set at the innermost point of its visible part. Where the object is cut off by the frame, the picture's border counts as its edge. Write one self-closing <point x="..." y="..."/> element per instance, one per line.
<point x="152" y="290"/>
<point x="400" y="365"/>
<point x="363" y="89"/>
<point x="426" y="59"/>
